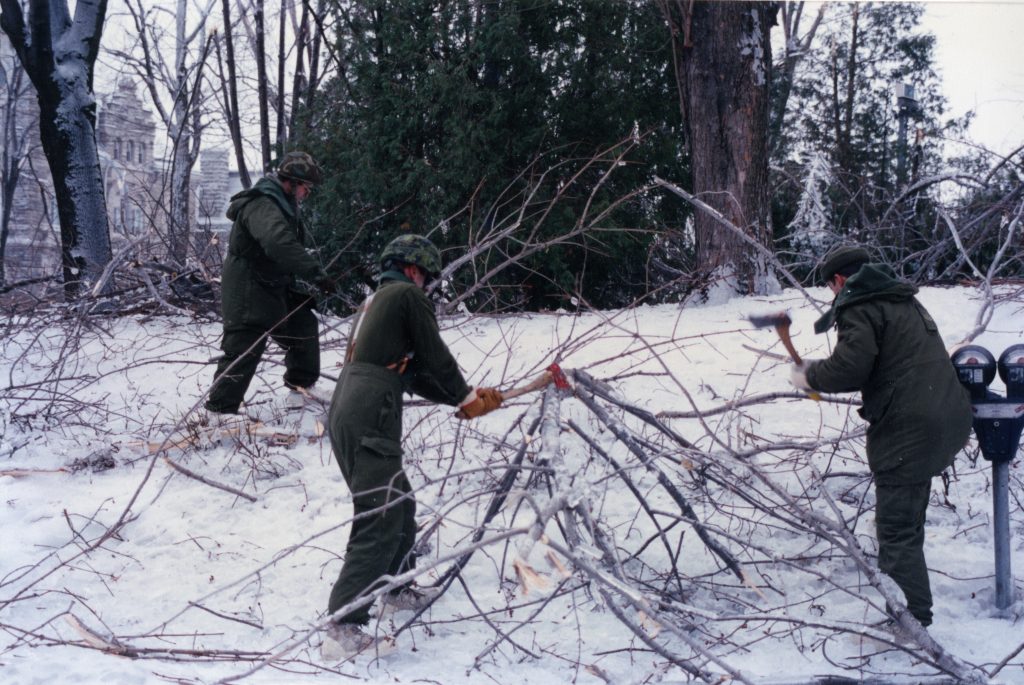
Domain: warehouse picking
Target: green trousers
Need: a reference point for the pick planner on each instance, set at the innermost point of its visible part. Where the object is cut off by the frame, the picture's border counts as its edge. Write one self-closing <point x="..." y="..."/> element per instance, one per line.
<point x="899" y="519"/>
<point x="299" y="336"/>
<point x="365" y="431"/>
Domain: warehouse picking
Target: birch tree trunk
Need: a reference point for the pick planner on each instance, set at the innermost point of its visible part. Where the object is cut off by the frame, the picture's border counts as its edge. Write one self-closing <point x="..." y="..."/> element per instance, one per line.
<point x="58" y="54"/>
<point x="723" y="69"/>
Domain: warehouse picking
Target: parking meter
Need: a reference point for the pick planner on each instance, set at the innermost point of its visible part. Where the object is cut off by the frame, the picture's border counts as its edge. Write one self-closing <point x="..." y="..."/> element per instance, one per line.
<point x="975" y="368"/>
<point x="1011" y="370"/>
<point x="998" y="423"/>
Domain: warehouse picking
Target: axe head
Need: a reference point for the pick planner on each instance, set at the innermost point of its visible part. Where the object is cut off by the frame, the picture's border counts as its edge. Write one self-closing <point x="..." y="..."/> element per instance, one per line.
<point x="775" y="320"/>
<point x="558" y="376"/>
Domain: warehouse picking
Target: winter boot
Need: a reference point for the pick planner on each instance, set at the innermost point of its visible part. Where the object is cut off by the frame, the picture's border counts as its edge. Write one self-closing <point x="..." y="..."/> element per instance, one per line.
<point x="311" y="397"/>
<point x="210" y="428"/>
<point x="346" y="640"/>
<point x="411" y="598"/>
<point x="895" y="631"/>
<point x="295" y="401"/>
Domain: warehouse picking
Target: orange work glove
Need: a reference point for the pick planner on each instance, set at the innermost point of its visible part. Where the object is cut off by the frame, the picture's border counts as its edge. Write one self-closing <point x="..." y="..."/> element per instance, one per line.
<point x="486" y="401"/>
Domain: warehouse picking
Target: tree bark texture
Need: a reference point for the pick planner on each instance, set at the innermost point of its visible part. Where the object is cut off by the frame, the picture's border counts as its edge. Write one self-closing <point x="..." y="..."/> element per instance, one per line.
<point x="723" y="53"/>
<point x="58" y="54"/>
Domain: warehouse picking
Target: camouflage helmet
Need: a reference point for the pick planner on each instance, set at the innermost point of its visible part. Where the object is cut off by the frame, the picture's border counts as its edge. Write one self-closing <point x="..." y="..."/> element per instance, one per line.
<point x="299" y="166"/>
<point x="413" y="249"/>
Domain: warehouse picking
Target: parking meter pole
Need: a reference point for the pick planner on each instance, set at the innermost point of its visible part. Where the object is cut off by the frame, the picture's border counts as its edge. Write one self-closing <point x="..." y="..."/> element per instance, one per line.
<point x="998" y="423"/>
<point x="1001" y="533"/>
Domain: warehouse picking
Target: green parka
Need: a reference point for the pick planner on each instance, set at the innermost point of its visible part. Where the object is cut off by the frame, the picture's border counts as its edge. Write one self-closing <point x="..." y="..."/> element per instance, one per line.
<point x="397" y="322"/>
<point x="265" y="254"/>
<point x="889" y="348"/>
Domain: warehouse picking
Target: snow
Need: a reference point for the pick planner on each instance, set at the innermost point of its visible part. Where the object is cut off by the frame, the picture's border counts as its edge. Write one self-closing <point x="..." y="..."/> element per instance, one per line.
<point x="812" y="224"/>
<point x="197" y="568"/>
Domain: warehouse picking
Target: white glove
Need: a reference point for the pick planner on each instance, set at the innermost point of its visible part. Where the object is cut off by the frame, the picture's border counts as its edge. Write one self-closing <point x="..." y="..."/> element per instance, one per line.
<point x="798" y="376"/>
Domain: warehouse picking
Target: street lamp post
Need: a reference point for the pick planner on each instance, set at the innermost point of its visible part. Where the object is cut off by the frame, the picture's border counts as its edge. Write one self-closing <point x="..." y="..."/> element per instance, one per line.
<point x="907" y="107"/>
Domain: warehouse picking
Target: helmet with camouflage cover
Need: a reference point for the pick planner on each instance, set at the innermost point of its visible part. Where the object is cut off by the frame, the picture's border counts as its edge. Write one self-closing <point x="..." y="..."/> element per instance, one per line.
<point x="300" y="166"/>
<point x="413" y="249"/>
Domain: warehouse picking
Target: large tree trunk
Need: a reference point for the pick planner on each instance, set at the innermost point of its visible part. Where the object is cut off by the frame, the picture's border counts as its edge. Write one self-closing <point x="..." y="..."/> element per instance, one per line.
<point x="724" y="74"/>
<point x="58" y="55"/>
<point x="68" y="135"/>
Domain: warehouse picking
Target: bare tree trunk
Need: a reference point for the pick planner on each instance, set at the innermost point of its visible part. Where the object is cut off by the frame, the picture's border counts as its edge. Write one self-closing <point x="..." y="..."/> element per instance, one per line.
<point x="14" y="139"/>
<point x="314" y="53"/>
<point x="231" y="100"/>
<point x="261" y="75"/>
<point x="795" y="50"/>
<point x="724" y="53"/>
<point x="843" y="142"/>
<point x="181" y="137"/>
<point x="299" y="80"/>
<point x="58" y="54"/>
<point x="281" y="52"/>
<point x="182" y="119"/>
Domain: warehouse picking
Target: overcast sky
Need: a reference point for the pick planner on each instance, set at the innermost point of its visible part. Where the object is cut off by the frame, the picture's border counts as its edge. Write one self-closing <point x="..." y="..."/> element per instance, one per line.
<point x="980" y="51"/>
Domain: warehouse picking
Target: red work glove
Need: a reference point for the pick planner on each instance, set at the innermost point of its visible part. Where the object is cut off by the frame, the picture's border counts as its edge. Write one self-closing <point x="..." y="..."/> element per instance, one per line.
<point x="486" y="401"/>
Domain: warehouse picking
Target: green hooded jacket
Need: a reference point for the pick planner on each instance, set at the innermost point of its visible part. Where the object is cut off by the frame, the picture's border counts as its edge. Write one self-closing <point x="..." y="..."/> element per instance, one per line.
<point x="265" y="254"/>
<point x="397" y="322"/>
<point x="889" y="348"/>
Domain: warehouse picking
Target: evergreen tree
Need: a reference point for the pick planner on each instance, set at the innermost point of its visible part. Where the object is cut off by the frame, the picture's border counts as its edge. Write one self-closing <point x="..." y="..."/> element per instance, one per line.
<point x="842" y="108"/>
<point x="455" y="119"/>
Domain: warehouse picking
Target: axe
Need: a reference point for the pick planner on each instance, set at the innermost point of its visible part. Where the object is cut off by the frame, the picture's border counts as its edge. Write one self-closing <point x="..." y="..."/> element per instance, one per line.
<point x="781" y="322"/>
<point x="552" y="374"/>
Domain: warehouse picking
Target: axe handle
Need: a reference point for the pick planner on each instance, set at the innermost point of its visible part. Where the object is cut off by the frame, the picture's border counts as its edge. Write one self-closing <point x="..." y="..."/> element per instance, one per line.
<point x="537" y="383"/>
<point x="787" y="342"/>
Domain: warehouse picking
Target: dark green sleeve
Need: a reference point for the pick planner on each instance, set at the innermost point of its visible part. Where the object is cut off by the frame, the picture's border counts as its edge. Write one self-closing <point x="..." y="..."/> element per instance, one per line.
<point x="276" y="235"/>
<point x="853" y="359"/>
<point x="433" y="373"/>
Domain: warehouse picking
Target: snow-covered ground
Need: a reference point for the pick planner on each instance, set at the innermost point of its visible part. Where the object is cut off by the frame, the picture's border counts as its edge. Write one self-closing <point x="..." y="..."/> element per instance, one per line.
<point x="201" y="585"/>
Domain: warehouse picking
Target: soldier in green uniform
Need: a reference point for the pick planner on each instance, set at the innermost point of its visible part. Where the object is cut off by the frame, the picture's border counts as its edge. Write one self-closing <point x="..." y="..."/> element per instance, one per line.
<point x="260" y="300"/>
<point x="918" y="414"/>
<point x="394" y="347"/>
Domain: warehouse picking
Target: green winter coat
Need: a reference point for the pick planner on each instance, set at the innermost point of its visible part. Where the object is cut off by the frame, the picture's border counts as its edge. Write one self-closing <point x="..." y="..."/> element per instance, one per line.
<point x="265" y="254"/>
<point x="398" y="322"/>
<point x="889" y="348"/>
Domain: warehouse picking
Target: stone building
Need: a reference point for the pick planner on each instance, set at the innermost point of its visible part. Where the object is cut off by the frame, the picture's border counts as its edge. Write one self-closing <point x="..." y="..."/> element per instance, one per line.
<point x="216" y="184"/>
<point x="132" y="181"/>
